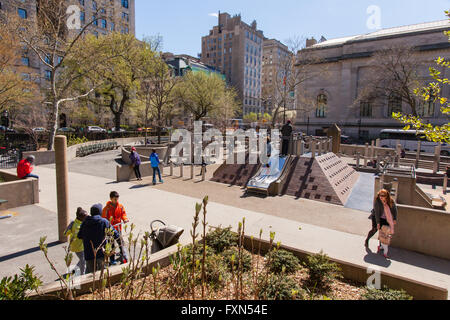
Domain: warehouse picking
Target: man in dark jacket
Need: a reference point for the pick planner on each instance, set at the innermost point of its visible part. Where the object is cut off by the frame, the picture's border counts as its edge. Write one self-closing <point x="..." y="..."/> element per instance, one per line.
<point x="286" y="133"/>
<point x="93" y="232"/>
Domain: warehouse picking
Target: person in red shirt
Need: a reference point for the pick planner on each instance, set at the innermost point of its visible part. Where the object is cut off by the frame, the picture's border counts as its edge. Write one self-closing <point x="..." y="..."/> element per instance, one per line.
<point x="115" y="213"/>
<point x="25" y="167"/>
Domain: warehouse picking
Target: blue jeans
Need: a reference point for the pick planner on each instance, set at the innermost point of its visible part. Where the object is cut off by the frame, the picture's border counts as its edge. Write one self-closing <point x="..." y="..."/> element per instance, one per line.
<point x="31" y="176"/>
<point x="155" y="170"/>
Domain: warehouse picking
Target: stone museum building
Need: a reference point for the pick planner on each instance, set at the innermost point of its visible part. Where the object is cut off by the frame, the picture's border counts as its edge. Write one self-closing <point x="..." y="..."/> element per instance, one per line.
<point x="347" y="62"/>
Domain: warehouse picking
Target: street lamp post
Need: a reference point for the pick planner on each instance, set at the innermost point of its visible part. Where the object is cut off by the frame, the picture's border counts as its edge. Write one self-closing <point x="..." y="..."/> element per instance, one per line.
<point x="5" y="123"/>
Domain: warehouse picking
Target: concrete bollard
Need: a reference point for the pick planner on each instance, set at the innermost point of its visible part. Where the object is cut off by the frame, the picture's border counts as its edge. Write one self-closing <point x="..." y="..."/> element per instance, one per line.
<point x="171" y="168"/>
<point x="358" y="156"/>
<point x="62" y="186"/>
<point x="437" y="155"/>
<point x="203" y="173"/>
<point x="372" y="150"/>
<point x="399" y="150"/>
<point x="377" y="184"/>
<point x="419" y="143"/>
<point x="444" y="188"/>
<point x="302" y="148"/>
<point x="313" y="149"/>
<point x="378" y="143"/>
<point x="181" y="170"/>
<point x="192" y="171"/>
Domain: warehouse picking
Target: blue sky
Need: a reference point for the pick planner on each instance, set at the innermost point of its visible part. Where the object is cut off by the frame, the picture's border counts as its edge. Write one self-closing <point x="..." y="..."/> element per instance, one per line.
<point x="183" y="23"/>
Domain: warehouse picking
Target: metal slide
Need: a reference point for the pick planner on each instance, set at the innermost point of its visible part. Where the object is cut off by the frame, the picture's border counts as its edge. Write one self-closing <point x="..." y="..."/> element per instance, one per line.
<point x="267" y="176"/>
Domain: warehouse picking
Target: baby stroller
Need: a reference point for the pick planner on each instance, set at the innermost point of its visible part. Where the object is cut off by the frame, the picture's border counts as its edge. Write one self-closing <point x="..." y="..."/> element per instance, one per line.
<point x="164" y="236"/>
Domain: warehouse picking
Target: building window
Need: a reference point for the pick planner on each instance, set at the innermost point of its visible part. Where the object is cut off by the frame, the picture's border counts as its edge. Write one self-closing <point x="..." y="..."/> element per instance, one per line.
<point x="48" y="75"/>
<point x="22" y="13"/>
<point x="366" y="109"/>
<point x="125" y="4"/>
<point x="322" y="102"/>
<point x="394" y="105"/>
<point x="26" y="61"/>
<point x="425" y="109"/>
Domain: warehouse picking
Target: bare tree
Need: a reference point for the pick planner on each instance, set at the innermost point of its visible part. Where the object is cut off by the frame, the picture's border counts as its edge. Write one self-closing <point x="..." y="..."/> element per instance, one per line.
<point x="393" y="75"/>
<point x="292" y="71"/>
<point x="52" y="42"/>
<point x="157" y="89"/>
<point x="17" y="82"/>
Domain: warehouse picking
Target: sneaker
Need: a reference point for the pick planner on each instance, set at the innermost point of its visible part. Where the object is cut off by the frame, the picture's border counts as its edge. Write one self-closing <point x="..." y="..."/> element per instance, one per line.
<point x="113" y="263"/>
<point x="386" y="256"/>
<point x="161" y="181"/>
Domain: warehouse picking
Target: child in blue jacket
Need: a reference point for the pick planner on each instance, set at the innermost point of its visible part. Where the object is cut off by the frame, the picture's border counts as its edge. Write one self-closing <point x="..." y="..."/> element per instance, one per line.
<point x="154" y="159"/>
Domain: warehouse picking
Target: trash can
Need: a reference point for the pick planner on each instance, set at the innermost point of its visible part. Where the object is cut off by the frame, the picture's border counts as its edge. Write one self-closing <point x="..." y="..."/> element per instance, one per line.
<point x="164" y="236"/>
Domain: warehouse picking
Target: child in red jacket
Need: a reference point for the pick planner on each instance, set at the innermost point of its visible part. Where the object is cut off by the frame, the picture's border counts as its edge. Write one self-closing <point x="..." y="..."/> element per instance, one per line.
<point x="115" y="213"/>
<point x="25" y="167"/>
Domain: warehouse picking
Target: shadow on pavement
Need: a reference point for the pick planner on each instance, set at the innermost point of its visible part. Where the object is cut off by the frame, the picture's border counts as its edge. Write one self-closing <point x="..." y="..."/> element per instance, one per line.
<point x="28" y="251"/>
<point x="420" y="260"/>
<point x="376" y="259"/>
<point x="139" y="186"/>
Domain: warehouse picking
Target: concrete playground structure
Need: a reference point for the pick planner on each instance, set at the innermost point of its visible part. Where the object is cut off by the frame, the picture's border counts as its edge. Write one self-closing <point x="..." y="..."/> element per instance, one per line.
<point x="18" y="192"/>
<point x="303" y="226"/>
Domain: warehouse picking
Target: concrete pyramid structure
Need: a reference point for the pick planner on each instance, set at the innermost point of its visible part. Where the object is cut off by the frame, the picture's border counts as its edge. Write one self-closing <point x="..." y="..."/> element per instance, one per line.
<point x="325" y="178"/>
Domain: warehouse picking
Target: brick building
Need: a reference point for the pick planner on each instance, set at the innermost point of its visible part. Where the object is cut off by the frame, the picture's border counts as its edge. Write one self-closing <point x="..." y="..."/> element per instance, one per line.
<point x="235" y="48"/>
<point x="274" y="65"/>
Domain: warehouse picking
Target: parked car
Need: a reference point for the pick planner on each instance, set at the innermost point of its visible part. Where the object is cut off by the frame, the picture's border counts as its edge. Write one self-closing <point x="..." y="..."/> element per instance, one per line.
<point x="120" y="130"/>
<point x="346" y="140"/>
<point x="39" y="130"/>
<point x="3" y="129"/>
<point x="95" y="129"/>
<point x="66" y="129"/>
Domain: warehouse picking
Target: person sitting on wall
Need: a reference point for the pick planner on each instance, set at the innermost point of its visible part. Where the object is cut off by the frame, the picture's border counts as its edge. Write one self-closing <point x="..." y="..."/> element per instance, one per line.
<point x="25" y="167"/>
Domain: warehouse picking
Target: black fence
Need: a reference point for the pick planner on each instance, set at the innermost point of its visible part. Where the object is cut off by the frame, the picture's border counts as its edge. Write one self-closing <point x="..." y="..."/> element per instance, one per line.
<point x="10" y="159"/>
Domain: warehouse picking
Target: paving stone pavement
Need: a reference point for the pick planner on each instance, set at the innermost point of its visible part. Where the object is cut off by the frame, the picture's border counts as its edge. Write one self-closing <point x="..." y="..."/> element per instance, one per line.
<point x="300" y="223"/>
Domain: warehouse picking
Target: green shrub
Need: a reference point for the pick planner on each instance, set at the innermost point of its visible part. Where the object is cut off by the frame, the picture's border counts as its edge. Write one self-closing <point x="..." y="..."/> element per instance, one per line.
<point x="385" y="294"/>
<point x="73" y="140"/>
<point x="321" y="270"/>
<point x="280" y="287"/>
<point x="221" y="239"/>
<point x="215" y="265"/>
<point x="16" y="288"/>
<point x="283" y="258"/>
<point x="246" y="259"/>
<point x="216" y="271"/>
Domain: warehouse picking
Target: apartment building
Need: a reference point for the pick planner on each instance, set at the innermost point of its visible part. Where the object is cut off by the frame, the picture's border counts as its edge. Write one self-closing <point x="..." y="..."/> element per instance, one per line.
<point x="116" y="16"/>
<point x="275" y="64"/>
<point x="235" y="48"/>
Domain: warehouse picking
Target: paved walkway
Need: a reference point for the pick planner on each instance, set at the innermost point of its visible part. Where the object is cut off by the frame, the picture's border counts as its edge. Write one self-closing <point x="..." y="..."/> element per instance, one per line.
<point x="145" y="203"/>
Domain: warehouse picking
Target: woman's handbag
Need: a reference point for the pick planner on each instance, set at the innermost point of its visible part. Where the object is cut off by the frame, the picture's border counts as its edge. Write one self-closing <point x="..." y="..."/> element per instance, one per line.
<point x="384" y="235"/>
